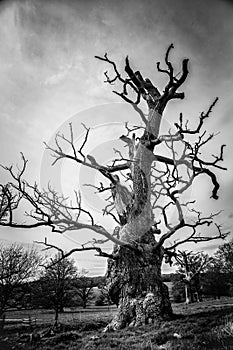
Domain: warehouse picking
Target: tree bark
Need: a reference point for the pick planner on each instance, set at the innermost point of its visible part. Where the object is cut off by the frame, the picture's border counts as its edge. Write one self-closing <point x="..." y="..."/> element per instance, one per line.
<point x="135" y="283"/>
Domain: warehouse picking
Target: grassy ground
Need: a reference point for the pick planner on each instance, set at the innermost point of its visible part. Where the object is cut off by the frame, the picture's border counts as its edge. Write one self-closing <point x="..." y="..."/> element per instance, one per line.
<point x="207" y="325"/>
<point x="71" y="315"/>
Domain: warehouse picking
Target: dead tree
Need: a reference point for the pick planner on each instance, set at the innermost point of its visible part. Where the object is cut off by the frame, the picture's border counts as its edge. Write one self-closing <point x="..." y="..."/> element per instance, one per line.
<point x="191" y="265"/>
<point x="146" y="232"/>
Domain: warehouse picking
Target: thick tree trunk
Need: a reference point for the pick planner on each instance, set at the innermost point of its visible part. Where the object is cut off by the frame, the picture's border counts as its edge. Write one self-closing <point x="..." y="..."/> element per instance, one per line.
<point x="135" y="283"/>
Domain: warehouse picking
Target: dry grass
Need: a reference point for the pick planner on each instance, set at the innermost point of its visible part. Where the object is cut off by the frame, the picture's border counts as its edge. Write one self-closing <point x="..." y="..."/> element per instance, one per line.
<point x="207" y="325"/>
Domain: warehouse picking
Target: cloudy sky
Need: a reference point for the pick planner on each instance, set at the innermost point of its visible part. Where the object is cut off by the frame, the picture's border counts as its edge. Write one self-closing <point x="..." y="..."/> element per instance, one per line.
<point x="49" y="77"/>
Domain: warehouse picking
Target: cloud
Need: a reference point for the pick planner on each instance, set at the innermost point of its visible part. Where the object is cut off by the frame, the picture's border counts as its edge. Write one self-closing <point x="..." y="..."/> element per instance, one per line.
<point x="58" y="77"/>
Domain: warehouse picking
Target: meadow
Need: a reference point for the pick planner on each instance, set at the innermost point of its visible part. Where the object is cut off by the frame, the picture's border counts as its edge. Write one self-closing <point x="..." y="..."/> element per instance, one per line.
<point x="205" y="325"/>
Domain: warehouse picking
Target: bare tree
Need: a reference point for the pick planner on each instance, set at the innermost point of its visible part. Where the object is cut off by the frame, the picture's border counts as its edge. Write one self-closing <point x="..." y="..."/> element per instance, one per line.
<point x="17" y="266"/>
<point x="57" y="280"/>
<point x="152" y="216"/>
<point x="191" y="265"/>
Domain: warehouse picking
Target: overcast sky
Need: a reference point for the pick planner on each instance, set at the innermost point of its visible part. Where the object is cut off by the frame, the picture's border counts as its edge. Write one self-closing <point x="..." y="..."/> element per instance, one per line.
<point x="49" y="77"/>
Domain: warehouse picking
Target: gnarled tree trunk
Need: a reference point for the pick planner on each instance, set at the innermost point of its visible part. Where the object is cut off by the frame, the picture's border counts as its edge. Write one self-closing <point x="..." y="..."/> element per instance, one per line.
<point x="135" y="276"/>
<point x="135" y="283"/>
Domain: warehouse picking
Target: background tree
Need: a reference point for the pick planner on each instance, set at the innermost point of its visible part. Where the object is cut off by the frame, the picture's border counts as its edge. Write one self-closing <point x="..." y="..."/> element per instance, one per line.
<point x="56" y="283"/>
<point x="191" y="265"/>
<point x="217" y="280"/>
<point x="17" y="266"/>
<point x="153" y="218"/>
<point x="103" y="297"/>
<point x="84" y="287"/>
<point x="215" y="283"/>
<point x="178" y="288"/>
<point x="223" y="258"/>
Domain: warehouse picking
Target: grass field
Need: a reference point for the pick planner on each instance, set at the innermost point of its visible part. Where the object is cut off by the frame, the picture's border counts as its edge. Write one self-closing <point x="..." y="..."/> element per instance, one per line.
<point x="206" y="325"/>
<point x="75" y="315"/>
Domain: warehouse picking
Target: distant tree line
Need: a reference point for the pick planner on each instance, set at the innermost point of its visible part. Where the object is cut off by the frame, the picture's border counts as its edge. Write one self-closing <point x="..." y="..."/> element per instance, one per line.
<point x="28" y="280"/>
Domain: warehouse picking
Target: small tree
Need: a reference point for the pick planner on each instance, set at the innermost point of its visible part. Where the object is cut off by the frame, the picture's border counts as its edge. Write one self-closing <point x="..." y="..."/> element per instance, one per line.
<point x="84" y="286"/>
<point x="56" y="282"/>
<point x="215" y="283"/>
<point x="178" y="288"/>
<point x="219" y="275"/>
<point x="103" y="297"/>
<point x="191" y="265"/>
<point x="223" y="258"/>
<point x="17" y="266"/>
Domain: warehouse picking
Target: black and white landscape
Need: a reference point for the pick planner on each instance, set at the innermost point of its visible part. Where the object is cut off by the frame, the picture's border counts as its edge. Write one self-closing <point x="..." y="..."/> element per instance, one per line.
<point x="115" y="178"/>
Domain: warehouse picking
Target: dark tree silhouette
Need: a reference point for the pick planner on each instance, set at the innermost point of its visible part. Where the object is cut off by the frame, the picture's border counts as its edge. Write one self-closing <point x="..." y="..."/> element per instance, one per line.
<point x="17" y="266"/>
<point x="145" y="231"/>
<point x="223" y="258"/>
<point x="216" y="283"/>
<point x="218" y="278"/>
<point x="56" y="282"/>
<point x="84" y="287"/>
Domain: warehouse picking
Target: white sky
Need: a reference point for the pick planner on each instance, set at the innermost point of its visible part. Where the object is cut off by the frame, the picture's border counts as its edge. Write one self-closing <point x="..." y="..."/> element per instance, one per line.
<point x="49" y="77"/>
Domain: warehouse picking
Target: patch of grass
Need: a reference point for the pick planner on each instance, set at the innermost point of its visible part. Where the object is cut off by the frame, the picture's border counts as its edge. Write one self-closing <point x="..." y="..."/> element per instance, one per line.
<point x="207" y="325"/>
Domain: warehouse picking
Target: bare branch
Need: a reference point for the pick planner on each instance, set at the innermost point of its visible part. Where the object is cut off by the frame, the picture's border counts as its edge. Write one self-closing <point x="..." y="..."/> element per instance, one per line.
<point x="202" y="118"/>
<point x="64" y="255"/>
